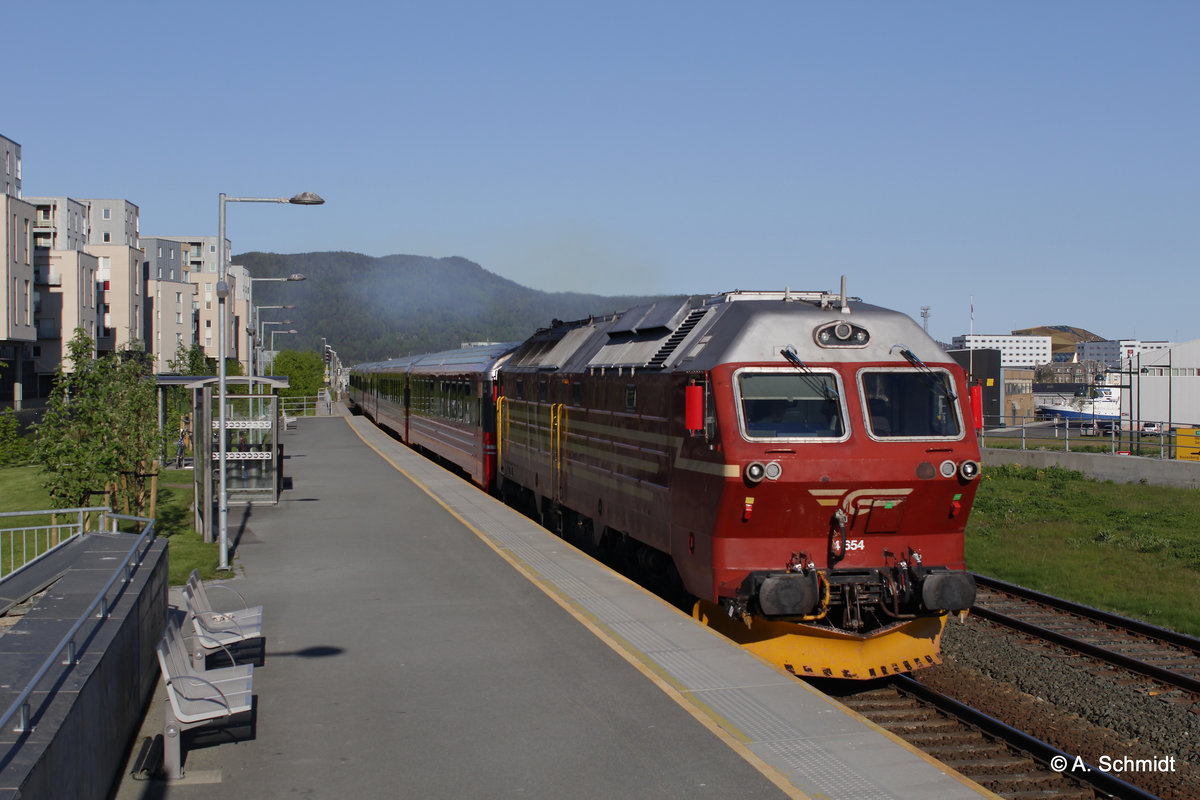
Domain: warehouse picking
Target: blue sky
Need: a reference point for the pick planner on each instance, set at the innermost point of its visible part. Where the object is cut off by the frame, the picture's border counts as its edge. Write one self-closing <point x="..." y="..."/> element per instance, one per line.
<point x="1039" y="157"/>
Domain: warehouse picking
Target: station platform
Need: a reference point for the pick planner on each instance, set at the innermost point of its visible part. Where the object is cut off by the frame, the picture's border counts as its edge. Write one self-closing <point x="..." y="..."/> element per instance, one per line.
<point x="424" y="640"/>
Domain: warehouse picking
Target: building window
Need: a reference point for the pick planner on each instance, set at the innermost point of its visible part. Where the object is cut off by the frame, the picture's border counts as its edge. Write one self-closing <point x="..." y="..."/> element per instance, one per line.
<point x="107" y="214"/>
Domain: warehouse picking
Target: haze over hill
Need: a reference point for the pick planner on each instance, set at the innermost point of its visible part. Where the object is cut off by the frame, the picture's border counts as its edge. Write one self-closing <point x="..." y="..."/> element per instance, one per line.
<point x="374" y="308"/>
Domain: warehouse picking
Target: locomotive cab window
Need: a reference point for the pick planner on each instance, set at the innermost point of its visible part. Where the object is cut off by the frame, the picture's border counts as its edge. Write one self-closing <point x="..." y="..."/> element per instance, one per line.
<point x="790" y="405"/>
<point x="909" y="404"/>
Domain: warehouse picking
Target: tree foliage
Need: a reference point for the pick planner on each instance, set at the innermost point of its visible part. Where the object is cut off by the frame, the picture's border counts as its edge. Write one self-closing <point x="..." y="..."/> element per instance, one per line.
<point x="100" y="432"/>
<point x="14" y="448"/>
<point x="305" y="371"/>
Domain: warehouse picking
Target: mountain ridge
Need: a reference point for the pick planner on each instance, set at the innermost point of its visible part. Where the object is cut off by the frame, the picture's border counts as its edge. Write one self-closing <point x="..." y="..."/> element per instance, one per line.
<point x="375" y="307"/>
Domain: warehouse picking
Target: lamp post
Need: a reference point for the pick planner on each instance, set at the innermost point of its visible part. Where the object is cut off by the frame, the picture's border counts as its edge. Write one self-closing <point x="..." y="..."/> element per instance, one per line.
<point x="302" y="199"/>
<point x="273" y="333"/>
<point x="263" y="332"/>
<point x="253" y="329"/>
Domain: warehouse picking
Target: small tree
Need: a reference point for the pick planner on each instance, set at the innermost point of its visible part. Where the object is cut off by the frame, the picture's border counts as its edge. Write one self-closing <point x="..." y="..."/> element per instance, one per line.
<point x="99" y="434"/>
<point x="14" y="448"/>
<point x="305" y="371"/>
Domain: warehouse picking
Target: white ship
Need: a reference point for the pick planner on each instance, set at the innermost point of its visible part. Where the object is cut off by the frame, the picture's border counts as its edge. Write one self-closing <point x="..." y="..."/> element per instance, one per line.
<point x="1104" y="406"/>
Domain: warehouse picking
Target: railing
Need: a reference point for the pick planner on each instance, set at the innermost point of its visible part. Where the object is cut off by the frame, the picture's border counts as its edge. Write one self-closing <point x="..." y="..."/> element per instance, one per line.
<point x="128" y="566"/>
<point x="1082" y="435"/>
<point x="23" y="546"/>
<point x="318" y="406"/>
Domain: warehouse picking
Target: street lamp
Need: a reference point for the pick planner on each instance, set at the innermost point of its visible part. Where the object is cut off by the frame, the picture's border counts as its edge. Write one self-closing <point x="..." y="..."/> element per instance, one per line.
<point x="302" y="199"/>
<point x="253" y="329"/>
<point x="293" y="330"/>
<point x="263" y="333"/>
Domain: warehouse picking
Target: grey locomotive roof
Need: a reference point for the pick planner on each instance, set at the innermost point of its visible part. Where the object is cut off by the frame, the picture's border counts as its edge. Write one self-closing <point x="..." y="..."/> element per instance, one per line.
<point x="732" y="327"/>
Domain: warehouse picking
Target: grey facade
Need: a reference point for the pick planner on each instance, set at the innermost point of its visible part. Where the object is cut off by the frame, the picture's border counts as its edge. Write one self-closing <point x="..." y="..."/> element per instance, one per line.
<point x="114" y="221"/>
<point x="10" y="167"/>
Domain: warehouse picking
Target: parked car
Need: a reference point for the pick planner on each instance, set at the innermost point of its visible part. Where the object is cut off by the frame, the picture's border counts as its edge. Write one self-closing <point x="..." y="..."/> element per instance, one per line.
<point x="1089" y="429"/>
<point x="1151" y="427"/>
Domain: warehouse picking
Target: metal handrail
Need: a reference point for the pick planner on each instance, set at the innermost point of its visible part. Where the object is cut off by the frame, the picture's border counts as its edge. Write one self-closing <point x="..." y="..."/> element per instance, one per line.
<point x="77" y="525"/>
<point x="124" y="571"/>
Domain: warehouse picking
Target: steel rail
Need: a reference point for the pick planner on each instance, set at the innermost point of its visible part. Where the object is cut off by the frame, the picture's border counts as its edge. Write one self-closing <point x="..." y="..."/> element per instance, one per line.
<point x="1106" y="617"/>
<point x="1039" y="750"/>
<point x="1167" y="676"/>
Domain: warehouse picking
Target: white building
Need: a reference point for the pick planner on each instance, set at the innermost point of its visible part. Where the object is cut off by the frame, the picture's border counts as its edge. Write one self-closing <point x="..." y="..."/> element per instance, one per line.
<point x="1113" y="351"/>
<point x="1015" y="351"/>
<point x="1164" y="385"/>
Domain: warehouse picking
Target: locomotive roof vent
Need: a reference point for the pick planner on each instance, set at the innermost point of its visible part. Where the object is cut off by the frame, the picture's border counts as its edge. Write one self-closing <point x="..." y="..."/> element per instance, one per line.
<point x="841" y="334"/>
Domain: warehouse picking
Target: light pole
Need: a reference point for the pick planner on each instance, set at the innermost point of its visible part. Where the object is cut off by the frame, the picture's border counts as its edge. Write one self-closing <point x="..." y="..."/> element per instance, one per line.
<point x="254" y="315"/>
<point x="302" y="199"/>
<point x="263" y="332"/>
<point x="273" y="333"/>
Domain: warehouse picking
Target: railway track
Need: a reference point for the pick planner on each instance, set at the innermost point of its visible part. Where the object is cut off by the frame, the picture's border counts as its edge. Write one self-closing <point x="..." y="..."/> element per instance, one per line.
<point x="1166" y="658"/>
<point x="995" y="755"/>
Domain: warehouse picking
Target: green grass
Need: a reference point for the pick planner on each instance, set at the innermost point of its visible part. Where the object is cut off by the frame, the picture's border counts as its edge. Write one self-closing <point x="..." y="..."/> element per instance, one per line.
<point x="1132" y="549"/>
<point x="21" y="489"/>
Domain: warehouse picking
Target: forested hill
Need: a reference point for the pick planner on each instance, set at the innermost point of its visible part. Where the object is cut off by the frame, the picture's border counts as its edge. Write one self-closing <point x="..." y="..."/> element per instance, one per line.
<point x="374" y="308"/>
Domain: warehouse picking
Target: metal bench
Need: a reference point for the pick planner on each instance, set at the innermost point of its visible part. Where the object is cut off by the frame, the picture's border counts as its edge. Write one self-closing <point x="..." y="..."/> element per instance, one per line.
<point x="196" y="697"/>
<point x="216" y="630"/>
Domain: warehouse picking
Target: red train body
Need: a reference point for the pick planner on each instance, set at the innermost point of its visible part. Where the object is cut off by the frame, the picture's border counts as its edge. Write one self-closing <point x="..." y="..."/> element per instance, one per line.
<point x="795" y="457"/>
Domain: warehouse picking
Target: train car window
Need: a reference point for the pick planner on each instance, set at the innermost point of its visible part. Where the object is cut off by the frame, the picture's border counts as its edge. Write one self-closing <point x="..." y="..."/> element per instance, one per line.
<point x="520" y="389"/>
<point x="631" y="397"/>
<point x="790" y="405"/>
<point x="543" y="392"/>
<point x="909" y="404"/>
<point x="577" y="393"/>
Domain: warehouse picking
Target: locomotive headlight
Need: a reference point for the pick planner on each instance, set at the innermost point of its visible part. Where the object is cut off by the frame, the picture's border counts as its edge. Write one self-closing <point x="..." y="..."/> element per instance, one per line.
<point x="969" y="470"/>
<point x="948" y="468"/>
<point x="755" y="472"/>
<point x="774" y="470"/>
<point x="841" y="334"/>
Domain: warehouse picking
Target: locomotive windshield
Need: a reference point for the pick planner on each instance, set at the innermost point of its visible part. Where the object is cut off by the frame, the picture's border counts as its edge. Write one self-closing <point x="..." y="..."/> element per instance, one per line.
<point x="790" y="405"/>
<point x="910" y="404"/>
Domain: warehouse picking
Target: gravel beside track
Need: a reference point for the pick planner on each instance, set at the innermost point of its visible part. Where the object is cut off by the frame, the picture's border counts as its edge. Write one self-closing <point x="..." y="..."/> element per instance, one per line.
<point x="1070" y="703"/>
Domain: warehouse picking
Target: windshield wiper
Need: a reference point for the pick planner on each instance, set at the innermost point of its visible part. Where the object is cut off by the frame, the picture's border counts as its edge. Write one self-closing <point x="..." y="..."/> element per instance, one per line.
<point x="810" y="377"/>
<point x="925" y="371"/>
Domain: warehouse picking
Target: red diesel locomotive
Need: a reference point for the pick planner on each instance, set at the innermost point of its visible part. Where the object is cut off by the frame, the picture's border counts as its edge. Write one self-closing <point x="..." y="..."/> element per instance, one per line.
<point x="801" y="463"/>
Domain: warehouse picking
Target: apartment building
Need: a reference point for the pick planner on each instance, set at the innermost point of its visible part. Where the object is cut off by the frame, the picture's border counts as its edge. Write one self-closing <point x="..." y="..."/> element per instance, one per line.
<point x="10" y="172"/>
<point x="68" y="301"/>
<point x="1015" y="350"/>
<point x="61" y="223"/>
<point x="200" y="260"/>
<point x="170" y="298"/>
<point x="1112" y="352"/>
<point x="17" y="279"/>
<point x="121" y="281"/>
<point x="114" y="221"/>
